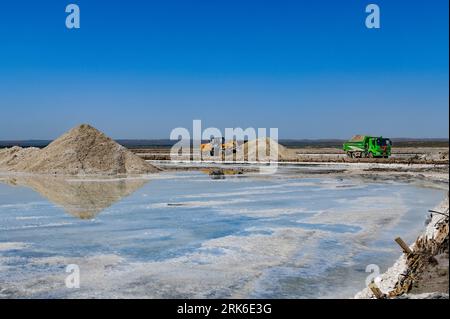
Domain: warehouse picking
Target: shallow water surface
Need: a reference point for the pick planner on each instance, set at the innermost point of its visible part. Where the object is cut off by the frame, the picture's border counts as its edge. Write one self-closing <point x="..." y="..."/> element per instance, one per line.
<point x="186" y="235"/>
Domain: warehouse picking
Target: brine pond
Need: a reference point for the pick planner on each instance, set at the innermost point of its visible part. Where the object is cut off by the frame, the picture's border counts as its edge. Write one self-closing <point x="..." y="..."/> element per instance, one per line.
<point x="187" y="235"/>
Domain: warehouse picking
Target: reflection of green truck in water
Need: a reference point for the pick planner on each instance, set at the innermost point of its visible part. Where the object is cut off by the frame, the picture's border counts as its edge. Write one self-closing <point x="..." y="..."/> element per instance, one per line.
<point x="368" y="146"/>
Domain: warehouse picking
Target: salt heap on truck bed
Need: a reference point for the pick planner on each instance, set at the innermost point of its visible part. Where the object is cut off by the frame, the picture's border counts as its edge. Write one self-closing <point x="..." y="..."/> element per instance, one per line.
<point x="82" y="151"/>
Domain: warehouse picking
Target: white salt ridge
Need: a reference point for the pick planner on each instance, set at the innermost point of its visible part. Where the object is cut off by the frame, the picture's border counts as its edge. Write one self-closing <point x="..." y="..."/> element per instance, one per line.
<point x="12" y="246"/>
<point x="49" y="225"/>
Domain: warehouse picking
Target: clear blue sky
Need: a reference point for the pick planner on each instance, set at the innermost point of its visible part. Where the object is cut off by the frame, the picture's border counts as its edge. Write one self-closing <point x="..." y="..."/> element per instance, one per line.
<point x="138" y="69"/>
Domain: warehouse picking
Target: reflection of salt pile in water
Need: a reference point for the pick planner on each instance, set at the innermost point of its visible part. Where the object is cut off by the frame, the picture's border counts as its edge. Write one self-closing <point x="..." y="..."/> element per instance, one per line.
<point x="265" y="149"/>
<point x="81" y="198"/>
<point x="82" y="150"/>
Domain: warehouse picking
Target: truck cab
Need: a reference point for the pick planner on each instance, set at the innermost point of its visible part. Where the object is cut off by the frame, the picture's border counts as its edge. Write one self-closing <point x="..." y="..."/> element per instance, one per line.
<point x="381" y="147"/>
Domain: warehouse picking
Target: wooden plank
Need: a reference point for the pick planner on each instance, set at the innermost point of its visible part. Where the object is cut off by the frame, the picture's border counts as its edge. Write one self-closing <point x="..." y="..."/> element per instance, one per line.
<point x="376" y="291"/>
<point x="404" y="246"/>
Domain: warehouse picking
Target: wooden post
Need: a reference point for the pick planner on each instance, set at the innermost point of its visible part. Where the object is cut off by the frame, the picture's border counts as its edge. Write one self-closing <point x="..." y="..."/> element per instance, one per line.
<point x="404" y="246"/>
<point x="376" y="291"/>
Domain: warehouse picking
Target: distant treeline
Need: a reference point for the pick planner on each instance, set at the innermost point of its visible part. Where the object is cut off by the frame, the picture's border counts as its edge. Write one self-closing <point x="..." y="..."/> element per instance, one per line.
<point x="329" y="143"/>
<point x="30" y="143"/>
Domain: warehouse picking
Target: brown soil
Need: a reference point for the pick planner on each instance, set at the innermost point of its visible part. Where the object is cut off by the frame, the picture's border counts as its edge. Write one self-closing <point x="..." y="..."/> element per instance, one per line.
<point x="434" y="276"/>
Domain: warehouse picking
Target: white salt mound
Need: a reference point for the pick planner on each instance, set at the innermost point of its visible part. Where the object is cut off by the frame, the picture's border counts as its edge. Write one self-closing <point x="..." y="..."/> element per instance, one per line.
<point x="82" y="151"/>
<point x="265" y="149"/>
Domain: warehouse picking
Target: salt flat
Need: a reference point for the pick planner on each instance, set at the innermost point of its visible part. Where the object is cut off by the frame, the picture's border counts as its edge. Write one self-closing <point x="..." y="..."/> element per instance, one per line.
<point x="185" y="235"/>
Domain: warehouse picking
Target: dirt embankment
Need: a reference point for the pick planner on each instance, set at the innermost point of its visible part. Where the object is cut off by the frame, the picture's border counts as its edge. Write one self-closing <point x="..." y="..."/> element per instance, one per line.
<point x="82" y="151"/>
<point x="406" y="155"/>
<point x="423" y="271"/>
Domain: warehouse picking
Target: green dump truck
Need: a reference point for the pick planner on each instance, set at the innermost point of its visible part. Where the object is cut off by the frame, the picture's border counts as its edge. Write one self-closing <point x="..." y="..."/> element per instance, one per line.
<point x="361" y="146"/>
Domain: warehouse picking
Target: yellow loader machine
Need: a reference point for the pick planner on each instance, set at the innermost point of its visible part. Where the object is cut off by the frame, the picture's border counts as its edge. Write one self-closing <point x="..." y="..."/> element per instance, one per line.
<point x="217" y="147"/>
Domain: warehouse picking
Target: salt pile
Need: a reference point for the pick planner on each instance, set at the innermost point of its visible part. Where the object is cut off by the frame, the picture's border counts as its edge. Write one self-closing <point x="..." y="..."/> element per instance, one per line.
<point x="266" y="149"/>
<point x="82" y="151"/>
